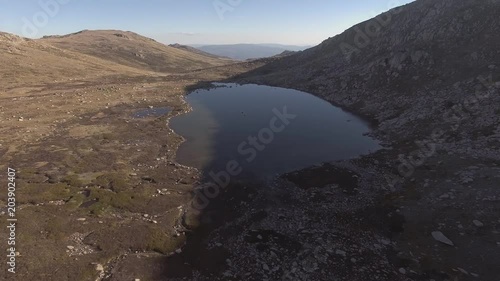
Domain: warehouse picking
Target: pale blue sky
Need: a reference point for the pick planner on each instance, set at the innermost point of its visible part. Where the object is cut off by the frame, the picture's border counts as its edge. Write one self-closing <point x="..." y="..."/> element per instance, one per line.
<point x="299" y="22"/>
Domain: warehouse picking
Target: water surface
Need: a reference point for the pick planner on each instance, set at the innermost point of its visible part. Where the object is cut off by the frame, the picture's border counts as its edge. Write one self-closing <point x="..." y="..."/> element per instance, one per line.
<point x="262" y="131"/>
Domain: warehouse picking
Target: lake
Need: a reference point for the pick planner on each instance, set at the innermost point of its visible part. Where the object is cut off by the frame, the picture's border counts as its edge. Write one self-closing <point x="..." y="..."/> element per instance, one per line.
<point x="260" y="131"/>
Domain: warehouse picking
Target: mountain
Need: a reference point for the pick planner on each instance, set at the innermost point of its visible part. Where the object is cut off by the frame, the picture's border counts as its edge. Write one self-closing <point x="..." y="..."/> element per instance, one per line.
<point x="428" y="75"/>
<point x="133" y="50"/>
<point x="404" y="67"/>
<point x="248" y="51"/>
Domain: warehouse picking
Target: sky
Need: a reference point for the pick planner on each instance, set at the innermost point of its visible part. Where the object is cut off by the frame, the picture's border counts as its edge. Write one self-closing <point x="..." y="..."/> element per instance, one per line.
<point x="293" y="22"/>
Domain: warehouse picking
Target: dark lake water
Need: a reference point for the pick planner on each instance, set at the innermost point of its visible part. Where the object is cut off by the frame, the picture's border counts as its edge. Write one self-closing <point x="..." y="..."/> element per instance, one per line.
<point x="260" y="131"/>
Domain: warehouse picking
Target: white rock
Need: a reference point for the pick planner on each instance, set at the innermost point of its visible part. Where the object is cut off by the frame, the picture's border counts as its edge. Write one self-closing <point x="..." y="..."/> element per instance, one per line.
<point x="402" y="271"/>
<point x="439" y="236"/>
<point x="70" y="247"/>
<point x="99" y="267"/>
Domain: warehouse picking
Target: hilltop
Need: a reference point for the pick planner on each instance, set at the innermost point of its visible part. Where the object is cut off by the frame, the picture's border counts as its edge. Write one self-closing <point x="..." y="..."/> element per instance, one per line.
<point x="26" y="61"/>
<point x="133" y="50"/>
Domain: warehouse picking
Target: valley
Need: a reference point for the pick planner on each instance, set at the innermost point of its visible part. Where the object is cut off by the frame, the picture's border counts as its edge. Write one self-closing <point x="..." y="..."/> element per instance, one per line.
<point x="107" y="131"/>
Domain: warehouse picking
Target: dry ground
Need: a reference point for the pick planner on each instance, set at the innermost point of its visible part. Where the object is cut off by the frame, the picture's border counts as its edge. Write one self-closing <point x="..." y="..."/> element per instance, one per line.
<point x="95" y="184"/>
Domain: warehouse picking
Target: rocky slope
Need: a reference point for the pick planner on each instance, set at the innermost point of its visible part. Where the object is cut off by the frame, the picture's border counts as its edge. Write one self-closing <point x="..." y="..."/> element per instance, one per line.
<point x="427" y="74"/>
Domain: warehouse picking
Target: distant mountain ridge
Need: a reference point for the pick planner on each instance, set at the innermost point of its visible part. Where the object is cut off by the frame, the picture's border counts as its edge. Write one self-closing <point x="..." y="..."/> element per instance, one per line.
<point x="248" y="51"/>
<point x="195" y="50"/>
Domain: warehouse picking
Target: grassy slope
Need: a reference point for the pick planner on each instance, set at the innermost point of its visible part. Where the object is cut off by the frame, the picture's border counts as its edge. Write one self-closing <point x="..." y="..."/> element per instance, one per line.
<point x="26" y="61"/>
<point x="133" y="50"/>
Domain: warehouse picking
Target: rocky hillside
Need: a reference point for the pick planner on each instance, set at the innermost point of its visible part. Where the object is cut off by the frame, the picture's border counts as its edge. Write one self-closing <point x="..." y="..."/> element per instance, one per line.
<point x="428" y="75"/>
<point x="406" y="68"/>
<point x="133" y="50"/>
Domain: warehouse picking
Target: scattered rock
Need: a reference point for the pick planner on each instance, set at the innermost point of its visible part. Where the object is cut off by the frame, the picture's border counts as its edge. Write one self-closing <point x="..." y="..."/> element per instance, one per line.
<point x="463" y="271"/>
<point x="99" y="267"/>
<point x="478" y="223"/>
<point x="439" y="236"/>
<point x="385" y="242"/>
<point x="340" y="253"/>
<point x="402" y="271"/>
